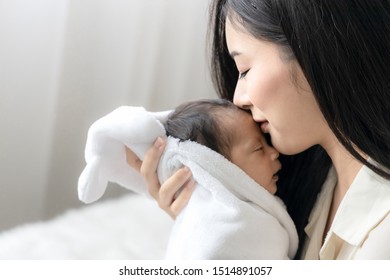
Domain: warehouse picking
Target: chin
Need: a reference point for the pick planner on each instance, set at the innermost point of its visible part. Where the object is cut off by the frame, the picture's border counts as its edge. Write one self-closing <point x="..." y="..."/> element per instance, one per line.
<point x="291" y="151"/>
<point x="282" y="146"/>
<point x="272" y="188"/>
<point x="285" y="148"/>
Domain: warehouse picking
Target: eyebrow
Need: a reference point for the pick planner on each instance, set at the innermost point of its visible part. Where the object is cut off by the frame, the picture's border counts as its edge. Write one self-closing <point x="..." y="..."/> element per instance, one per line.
<point x="234" y="54"/>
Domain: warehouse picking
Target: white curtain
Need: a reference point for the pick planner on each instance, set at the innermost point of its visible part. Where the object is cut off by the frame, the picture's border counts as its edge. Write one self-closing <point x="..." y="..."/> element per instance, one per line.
<point x="65" y="63"/>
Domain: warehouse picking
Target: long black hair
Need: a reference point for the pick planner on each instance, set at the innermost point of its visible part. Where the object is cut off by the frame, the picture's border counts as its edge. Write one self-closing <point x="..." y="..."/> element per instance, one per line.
<point x="343" y="50"/>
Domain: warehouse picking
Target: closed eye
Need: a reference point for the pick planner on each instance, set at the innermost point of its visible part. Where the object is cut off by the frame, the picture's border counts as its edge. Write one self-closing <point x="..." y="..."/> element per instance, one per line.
<point x="259" y="149"/>
<point x="243" y="74"/>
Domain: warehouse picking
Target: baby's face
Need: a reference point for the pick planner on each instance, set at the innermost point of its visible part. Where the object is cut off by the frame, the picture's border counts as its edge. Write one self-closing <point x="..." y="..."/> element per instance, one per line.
<point x="252" y="154"/>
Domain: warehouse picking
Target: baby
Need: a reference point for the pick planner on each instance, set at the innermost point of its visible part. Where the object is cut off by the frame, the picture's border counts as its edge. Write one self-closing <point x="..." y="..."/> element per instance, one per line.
<point x="230" y="131"/>
<point x="228" y="216"/>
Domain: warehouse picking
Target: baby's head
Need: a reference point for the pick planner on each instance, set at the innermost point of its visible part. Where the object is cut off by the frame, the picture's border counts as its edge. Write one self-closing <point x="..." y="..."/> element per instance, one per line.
<point x="230" y="131"/>
<point x="203" y="121"/>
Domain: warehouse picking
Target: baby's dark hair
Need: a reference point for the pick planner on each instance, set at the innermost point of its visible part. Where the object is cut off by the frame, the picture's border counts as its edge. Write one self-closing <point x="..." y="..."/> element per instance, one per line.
<point x="203" y="121"/>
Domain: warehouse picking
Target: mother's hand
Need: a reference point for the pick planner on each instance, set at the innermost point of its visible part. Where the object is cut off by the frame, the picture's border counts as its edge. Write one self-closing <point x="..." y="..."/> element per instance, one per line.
<point x="173" y="195"/>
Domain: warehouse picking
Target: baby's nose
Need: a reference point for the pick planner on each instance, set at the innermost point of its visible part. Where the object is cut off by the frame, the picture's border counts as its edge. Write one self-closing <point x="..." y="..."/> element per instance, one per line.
<point x="274" y="153"/>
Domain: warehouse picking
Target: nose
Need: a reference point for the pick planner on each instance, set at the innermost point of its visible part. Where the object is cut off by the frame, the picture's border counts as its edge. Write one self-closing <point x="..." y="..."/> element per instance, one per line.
<point x="273" y="153"/>
<point x="241" y="99"/>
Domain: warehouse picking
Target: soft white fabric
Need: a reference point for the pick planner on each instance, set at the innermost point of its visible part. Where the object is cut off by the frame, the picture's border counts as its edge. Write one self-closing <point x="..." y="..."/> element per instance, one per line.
<point x="229" y="216"/>
<point x="105" y="150"/>
<point x="131" y="227"/>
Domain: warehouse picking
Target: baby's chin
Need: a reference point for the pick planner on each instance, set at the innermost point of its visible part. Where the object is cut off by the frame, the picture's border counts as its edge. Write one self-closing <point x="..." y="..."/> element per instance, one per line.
<point x="271" y="187"/>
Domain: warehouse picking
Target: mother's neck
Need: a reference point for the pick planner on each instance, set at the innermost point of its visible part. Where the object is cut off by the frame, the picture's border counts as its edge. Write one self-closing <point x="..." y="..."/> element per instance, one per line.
<point x="346" y="166"/>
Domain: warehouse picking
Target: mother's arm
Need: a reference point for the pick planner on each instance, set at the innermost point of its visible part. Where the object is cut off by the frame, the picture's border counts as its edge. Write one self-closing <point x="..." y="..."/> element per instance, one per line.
<point x="173" y="195"/>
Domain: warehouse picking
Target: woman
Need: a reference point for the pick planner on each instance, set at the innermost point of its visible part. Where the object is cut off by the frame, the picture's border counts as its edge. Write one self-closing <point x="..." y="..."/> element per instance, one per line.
<point x="315" y="75"/>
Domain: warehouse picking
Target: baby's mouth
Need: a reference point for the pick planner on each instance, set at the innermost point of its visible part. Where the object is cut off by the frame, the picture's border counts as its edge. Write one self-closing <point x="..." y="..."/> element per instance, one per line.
<point x="275" y="177"/>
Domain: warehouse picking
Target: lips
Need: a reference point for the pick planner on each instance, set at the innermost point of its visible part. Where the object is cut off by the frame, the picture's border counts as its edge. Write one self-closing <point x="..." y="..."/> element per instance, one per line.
<point x="275" y="177"/>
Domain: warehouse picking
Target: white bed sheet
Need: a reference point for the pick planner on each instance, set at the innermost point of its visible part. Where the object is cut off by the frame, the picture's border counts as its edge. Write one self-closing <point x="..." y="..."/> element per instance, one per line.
<point x="130" y="227"/>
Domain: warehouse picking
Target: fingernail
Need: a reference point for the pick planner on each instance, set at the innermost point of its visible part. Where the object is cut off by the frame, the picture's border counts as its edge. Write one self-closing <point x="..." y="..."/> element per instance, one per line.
<point x="159" y="142"/>
<point x="187" y="170"/>
<point x="191" y="183"/>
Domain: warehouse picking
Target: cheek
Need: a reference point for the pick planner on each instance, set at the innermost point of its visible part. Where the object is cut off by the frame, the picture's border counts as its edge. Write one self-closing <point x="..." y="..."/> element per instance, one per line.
<point x="271" y="99"/>
<point x="297" y="124"/>
<point x="288" y="115"/>
<point x="291" y="111"/>
<point x="263" y="175"/>
<point x="261" y="91"/>
<point x="268" y="87"/>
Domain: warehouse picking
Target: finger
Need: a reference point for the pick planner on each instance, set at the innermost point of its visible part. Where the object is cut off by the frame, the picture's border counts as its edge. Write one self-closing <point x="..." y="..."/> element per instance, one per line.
<point x="133" y="160"/>
<point x="171" y="186"/>
<point x="149" y="166"/>
<point x="182" y="199"/>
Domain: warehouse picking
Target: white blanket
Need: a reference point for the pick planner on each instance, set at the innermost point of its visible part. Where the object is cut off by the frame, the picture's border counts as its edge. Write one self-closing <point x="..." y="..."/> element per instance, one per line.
<point x="123" y="228"/>
<point x="229" y="216"/>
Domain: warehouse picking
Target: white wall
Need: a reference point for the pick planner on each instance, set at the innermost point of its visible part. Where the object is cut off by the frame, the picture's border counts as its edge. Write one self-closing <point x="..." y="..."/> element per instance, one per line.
<point x="65" y="63"/>
<point x="31" y="35"/>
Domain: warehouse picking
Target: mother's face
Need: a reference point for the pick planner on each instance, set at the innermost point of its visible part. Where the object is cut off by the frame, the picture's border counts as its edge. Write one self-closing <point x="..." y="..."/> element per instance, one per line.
<point x="276" y="92"/>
